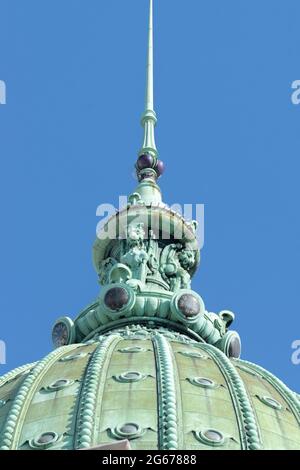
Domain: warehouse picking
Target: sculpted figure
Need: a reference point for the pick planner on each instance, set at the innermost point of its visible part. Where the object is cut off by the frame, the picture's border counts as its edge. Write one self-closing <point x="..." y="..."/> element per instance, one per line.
<point x="175" y="263"/>
<point x="104" y="270"/>
<point x="152" y="254"/>
<point x="136" y="256"/>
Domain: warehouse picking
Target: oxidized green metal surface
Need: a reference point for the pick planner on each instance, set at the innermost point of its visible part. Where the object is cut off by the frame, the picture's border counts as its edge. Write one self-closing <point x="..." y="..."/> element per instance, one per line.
<point x="168" y="387"/>
<point x="146" y="361"/>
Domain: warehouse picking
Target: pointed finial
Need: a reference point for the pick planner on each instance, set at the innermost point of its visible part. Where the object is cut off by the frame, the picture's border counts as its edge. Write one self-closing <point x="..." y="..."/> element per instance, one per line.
<point x="149" y="105"/>
<point x="148" y="166"/>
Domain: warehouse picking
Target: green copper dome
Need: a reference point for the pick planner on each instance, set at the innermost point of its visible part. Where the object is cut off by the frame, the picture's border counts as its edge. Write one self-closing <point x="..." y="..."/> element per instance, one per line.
<point x="146" y="362"/>
<point x="155" y="387"/>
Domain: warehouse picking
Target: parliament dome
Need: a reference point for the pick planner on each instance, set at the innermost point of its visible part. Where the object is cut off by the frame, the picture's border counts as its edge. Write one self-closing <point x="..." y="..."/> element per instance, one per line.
<point x="156" y="387"/>
<point x="147" y="363"/>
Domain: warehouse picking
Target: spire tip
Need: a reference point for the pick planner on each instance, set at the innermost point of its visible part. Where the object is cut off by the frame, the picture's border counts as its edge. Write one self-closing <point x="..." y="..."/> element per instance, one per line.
<point x="148" y="166"/>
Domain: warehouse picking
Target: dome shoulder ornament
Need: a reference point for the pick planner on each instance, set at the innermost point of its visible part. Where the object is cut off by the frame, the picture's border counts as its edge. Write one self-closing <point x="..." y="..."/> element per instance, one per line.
<point x="116" y="301"/>
<point x="230" y="344"/>
<point x="63" y="332"/>
<point x="187" y="306"/>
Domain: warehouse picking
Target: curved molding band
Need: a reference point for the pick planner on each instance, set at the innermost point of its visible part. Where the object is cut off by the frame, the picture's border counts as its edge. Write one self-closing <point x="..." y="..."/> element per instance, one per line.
<point x="90" y="392"/>
<point x="246" y="419"/>
<point x="150" y="322"/>
<point x="13" y="425"/>
<point x="13" y="373"/>
<point x="167" y="412"/>
<point x="281" y="388"/>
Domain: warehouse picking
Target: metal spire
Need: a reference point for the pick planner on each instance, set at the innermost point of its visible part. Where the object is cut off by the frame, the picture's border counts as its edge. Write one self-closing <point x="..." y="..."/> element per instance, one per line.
<point x="149" y="117"/>
<point x="149" y="90"/>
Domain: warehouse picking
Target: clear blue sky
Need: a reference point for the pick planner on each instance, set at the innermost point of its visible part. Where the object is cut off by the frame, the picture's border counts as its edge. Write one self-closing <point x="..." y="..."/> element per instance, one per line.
<point x="227" y="132"/>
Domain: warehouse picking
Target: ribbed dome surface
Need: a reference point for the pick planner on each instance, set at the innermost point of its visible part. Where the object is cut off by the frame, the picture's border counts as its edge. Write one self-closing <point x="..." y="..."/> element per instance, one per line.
<point x="157" y="388"/>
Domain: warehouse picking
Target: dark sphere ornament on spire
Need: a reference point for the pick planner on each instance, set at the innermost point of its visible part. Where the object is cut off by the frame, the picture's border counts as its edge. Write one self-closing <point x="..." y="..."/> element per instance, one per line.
<point x="149" y="167"/>
<point x="160" y="168"/>
<point x="145" y="161"/>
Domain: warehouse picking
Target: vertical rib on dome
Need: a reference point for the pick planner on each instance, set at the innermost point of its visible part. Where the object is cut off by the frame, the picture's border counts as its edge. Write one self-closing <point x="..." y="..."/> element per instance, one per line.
<point x="168" y="419"/>
<point x="281" y="388"/>
<point x="90" y="393"/>
<point x="13" y="373"/>
<point x="249" y="430"/>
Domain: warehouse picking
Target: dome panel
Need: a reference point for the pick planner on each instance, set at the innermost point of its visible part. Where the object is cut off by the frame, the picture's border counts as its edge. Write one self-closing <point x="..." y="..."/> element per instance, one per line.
<point x="278" y="424"/>
<point x="198" y="403"/>
<point x="130" y="402"/>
